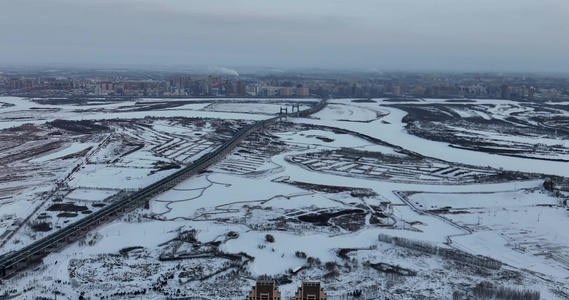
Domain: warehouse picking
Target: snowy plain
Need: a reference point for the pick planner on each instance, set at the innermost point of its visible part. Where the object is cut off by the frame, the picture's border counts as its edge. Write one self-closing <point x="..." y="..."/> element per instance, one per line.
<point x="501" y="215"/>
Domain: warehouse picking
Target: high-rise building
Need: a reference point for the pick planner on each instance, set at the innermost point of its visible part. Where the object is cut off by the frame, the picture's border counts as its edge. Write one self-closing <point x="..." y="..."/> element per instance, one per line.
<point x="240" y="89"/>
<point x="180" y="81"/>
<point x="531" y="92"/>
<point x="301" y="91"/>
<point x="229" y="88"/>
<point x="21" y="83"/>
<point x="286" y="91"/>
<point x="396" y="90"/>
<point x="106" y="86"/>
<point x="310" y="290"/>
<point x="265" y="290"/>
<point x="505" y="92"/>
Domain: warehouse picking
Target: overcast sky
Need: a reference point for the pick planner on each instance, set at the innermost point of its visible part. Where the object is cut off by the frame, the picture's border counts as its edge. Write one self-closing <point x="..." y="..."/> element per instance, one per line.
<point x="408" y="35"/>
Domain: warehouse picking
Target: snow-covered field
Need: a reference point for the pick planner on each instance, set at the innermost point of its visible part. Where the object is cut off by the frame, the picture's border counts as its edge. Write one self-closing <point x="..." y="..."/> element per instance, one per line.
<point x="290" y="198"/>
<point x="24" y="111"/>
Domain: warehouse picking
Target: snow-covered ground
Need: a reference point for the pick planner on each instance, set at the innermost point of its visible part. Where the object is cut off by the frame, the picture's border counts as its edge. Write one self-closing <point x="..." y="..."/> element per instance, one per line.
<point x="73" y="148"/>
<point x="25" y="111"/>
<point x="259" y="190"/>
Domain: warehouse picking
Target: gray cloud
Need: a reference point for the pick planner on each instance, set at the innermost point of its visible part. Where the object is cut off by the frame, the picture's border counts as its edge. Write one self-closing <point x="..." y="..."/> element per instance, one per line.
<point x="508" y="35"/>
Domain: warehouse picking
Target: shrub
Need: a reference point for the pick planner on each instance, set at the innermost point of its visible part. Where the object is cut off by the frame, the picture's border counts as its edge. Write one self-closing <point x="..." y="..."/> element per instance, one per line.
<point x="300" y="254"/>
<point x="330" y="265"/>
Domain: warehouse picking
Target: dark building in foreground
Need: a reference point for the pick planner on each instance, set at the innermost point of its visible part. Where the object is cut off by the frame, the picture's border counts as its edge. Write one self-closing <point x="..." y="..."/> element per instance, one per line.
<point x="265" y="290"/>
<point x="310" y="290"/>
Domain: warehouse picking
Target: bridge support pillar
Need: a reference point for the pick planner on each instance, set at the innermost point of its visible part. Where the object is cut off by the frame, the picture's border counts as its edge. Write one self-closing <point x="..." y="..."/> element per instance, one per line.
<point x="283" y="113"/>
<point x="297" y="106"/>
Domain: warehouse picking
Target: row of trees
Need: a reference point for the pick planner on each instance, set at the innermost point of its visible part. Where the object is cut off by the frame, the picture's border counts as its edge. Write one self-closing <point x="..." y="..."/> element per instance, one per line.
<point x="453" y="254"/>
<point x="486" y="290"/>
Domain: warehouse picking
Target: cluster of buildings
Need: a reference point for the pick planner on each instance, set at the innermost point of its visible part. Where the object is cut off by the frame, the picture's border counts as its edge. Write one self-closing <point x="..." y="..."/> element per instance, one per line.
<point x="361" y="85"/>
<point x="173" y="86"/>
<point x="267" y="290"/>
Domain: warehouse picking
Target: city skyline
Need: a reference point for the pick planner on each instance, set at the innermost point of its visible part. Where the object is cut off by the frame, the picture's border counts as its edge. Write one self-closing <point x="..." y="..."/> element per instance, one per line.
<point x="442" y="35"/>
